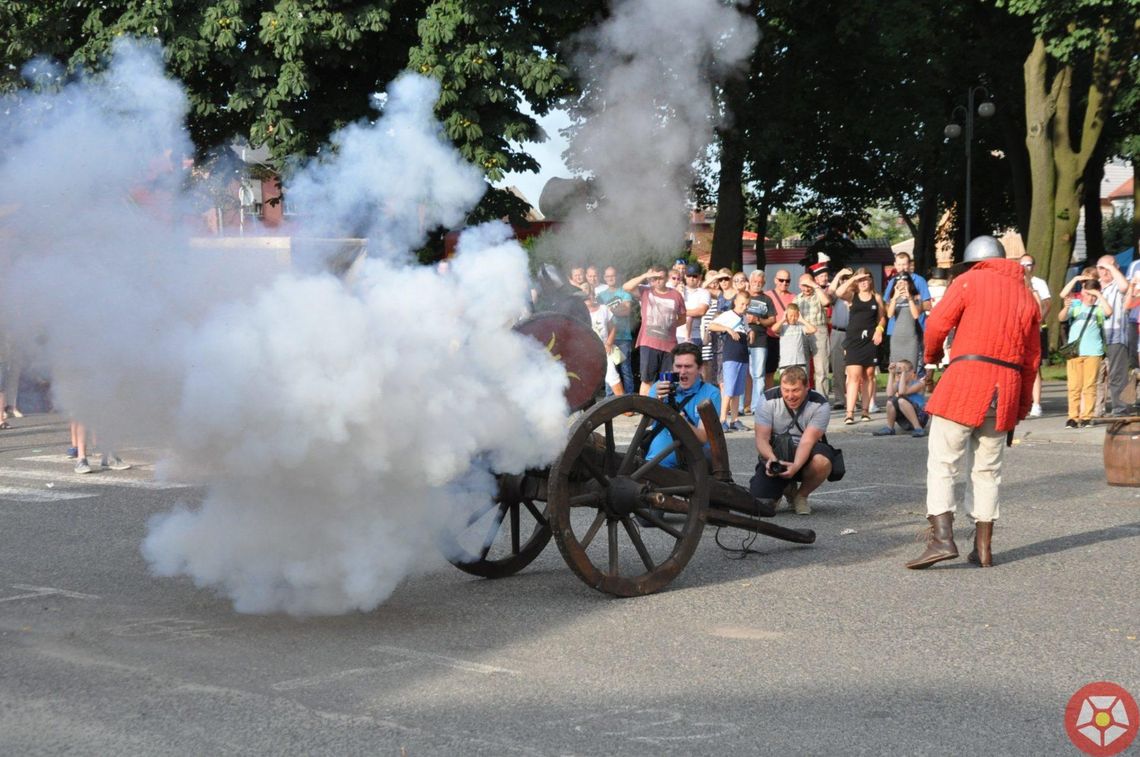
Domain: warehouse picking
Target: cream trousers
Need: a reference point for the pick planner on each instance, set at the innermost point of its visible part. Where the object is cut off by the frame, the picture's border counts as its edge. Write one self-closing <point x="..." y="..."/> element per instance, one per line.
<point x="951" y="448"/>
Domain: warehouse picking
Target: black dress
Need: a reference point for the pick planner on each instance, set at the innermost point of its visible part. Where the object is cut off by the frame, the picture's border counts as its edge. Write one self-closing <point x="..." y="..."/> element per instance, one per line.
<point x="858" y="348"/>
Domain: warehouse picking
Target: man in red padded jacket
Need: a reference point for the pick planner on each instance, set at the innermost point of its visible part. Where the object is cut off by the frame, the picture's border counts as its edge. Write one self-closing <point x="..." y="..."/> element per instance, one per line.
<point x="985" y="391"/>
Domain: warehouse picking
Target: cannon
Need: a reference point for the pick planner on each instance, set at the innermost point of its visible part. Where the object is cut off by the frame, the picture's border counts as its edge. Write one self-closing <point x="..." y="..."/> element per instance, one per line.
<point x="625" y="525"/>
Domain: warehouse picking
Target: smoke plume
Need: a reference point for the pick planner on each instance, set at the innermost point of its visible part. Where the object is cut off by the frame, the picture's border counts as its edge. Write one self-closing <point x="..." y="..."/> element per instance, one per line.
<point x="649" y="108"/>
<point x="336" y="425"/>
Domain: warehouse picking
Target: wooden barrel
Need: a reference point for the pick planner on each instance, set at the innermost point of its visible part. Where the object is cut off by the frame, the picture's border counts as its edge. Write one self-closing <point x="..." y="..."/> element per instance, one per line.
<point x="1122" y="453"/>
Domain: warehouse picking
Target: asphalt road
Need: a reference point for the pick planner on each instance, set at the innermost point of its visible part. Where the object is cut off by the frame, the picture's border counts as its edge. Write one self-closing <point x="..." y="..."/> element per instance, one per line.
<point x="831" y="648"/>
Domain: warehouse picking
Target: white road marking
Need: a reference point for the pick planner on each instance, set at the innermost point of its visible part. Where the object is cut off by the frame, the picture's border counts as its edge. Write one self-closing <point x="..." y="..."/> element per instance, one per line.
<point x="744" y="633"/>
<point x="168" y="629"/>
<point x="436" y="659"/>
<point x="107" y="478"/>
<point x="64" y="459"/>
<point x="340" y="675"/>
<point x="25" y="494"/>
<point x="44" y="591"/>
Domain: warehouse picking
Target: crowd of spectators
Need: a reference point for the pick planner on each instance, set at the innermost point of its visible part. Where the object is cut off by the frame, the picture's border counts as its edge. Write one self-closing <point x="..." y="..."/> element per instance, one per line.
<point x="844" y="333"/>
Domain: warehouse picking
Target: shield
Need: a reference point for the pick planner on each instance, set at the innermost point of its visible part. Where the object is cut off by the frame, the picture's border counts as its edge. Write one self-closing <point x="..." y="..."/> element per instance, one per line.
<point x="578" y="348"/>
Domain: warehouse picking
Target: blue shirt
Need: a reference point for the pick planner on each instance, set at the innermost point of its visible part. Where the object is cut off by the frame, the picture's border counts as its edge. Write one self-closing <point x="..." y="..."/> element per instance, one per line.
<point x="623" y="324"/>
<point x="687" y="401"/>
<point x="918" y="399"/>
<point x="1092" y="340"/>
<point x="923" y="290"/>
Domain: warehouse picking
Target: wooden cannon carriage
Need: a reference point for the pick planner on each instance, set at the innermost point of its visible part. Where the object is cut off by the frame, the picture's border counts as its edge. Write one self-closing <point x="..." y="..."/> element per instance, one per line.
<point x="593" y="496"/>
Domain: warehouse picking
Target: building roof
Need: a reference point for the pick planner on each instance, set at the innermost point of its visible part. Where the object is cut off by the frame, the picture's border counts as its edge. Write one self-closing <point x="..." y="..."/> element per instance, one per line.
<point x="1123" y="192"/>
<point x="1116" y="172"/>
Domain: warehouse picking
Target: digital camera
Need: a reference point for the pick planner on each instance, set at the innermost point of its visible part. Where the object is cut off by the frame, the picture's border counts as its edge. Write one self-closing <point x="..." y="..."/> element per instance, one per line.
<point x="672" y="377"/>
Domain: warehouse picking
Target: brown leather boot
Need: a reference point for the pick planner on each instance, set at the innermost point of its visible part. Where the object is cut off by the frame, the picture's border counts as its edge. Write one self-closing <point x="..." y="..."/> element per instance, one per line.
<point x="981" y="555"/>
<point x="939" y="542"/>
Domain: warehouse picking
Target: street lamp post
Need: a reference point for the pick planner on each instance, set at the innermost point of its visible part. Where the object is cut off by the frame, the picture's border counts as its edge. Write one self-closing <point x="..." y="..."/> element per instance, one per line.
<point x="953" y="131"/>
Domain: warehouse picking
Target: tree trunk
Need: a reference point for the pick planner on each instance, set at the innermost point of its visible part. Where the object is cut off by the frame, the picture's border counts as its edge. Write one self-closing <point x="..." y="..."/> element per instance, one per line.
<point x="727" y="247"/>
<point x="1090" y="202"/>
<point x="1040" y="106"/>
<point x="1069" y="174"/>
<point x="1071" y="161"/>
<point x="727" y="244"/>
<point x="924" y="252"/>
<point x="761" y="234"/>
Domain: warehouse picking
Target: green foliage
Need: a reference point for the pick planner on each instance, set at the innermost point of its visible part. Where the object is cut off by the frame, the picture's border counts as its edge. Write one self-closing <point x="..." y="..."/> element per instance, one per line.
<point x="1073" y="30"/>
<point x="885" y="223"/>
<point x="1118" y="234"/>
<point x="787" y="224"/>
<point x="843" y="110"/>
<point x="848" y="101"/>
<point x="287" y="73"/>
<point x="488" y="57"/>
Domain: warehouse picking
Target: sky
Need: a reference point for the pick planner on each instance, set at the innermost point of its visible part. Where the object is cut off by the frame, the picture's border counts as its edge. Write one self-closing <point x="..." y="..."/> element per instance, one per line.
<point x="548" y="154"/>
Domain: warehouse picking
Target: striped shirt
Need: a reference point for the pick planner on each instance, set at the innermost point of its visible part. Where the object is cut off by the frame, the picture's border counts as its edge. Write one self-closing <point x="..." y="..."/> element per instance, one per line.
<point x="1116" y="325"/>
<point x="706" y="335"/>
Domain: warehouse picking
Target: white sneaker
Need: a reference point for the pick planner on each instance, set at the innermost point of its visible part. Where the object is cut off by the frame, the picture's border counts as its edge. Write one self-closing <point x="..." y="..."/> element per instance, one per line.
<point x="114" y="463"/>
<point x="873" y="408"/>
<point x="1035" y="411"/>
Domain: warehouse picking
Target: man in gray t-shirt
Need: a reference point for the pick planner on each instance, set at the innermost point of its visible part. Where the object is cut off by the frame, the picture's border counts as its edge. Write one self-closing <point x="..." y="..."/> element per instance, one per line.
<point x="794" y="409"/>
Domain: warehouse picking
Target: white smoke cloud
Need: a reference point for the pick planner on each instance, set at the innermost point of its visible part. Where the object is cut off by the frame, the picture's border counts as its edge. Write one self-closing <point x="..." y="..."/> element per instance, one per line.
<point x="390" y="197"/>
<point x="336" y="425"/>
<point x="651" y="111"/>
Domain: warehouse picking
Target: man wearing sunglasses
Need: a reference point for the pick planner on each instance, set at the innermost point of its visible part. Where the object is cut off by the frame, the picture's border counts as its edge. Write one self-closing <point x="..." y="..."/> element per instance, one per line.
<point x="662" y="313"/>
<point x="780" y="295"/>
<point x="697" y="302"/>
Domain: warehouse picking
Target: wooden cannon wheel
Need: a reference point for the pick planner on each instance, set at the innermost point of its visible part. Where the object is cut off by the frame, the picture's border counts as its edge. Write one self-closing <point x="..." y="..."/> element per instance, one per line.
<point x="501" y="538"/>
<point x="595" y="485"/>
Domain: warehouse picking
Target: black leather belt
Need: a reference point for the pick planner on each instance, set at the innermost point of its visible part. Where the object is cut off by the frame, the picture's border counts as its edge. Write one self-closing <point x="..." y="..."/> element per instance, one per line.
<point x="994" y="361"/>
<point x="986" y="359"/>
<point x="836" y="328"/>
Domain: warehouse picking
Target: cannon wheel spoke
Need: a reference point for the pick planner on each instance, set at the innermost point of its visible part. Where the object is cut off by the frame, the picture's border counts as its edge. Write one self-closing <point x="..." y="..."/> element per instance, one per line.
<point x="489" y="540"/>
<point x="515" y="528"/>
<point x="586" y="500"/>
<point x="611" y="528"/>
<point x="638" y="474"/>
<point x="656" y="520"/>
<point x="592" y="531"/>
<point x="634" y="444"/>
<point x="634" y="560"/>
<point x="638" y="544"/>
<point x="611" y="450"/>
<point x="500" y="538"/>
<point x="478" y="514"/>
<point x="539" y="517"/>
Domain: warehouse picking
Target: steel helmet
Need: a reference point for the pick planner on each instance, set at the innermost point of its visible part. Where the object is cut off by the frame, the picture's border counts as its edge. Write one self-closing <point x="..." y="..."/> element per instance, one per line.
<point x="983" y="248"/>
<point x="550" y="277"/>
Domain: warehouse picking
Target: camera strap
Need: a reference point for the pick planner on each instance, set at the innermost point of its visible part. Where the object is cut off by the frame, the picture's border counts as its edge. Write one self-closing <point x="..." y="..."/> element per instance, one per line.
<point x="796" y="421"/>
<point x="1091" y="314"/>
<point x="795" y="417"/>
